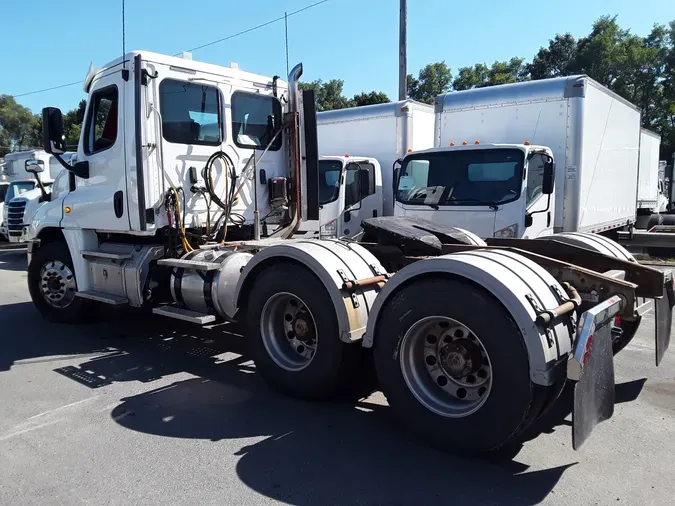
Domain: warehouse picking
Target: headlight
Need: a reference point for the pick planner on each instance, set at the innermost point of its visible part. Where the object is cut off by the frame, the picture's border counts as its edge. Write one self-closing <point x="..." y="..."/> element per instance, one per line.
<point x="510" y="232"/>
<point x="328" y="229"/>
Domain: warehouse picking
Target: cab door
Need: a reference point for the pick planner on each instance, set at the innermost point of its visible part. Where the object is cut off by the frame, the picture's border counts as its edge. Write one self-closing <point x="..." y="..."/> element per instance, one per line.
<point x="538" y="207"/>
<point x="362" y="195"/>
<point x="100" y="202"/>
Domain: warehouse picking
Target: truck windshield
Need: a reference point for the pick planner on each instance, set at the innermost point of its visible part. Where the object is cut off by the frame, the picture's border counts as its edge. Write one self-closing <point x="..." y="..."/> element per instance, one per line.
<point x="16" y="189"/>
<point x="477" y="177"/>
<point x="329" y="180"/>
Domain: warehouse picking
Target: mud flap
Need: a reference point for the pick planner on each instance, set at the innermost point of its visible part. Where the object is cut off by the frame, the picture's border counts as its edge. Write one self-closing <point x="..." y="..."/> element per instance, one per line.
<point x="592" y="367"/>
<point x="664" y="317"/>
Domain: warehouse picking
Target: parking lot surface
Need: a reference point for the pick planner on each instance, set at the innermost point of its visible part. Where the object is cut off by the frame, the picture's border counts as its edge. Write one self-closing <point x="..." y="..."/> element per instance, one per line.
<point x="135" y="409"/>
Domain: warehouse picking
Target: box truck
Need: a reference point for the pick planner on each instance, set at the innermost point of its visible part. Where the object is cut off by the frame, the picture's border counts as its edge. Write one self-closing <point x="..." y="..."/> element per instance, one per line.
<point x="32" y="174"/>
<point x="650" y="198"/>
<point x="460" y="334"/>
<point x="591" y="132"/>
<point x="384" y="132"/>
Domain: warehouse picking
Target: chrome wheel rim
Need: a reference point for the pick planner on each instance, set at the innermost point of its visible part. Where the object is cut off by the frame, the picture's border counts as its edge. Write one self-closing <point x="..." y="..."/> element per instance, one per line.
<point x="57" y="284"/>
<point x="446" y="366"/>
<point x="288" y="331"/>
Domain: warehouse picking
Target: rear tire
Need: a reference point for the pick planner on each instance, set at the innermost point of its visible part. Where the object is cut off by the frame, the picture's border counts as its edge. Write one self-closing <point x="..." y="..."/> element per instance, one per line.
<point x="293" y="334"/>
<point x="512" y="401"/>
<point x="52" y="285"/>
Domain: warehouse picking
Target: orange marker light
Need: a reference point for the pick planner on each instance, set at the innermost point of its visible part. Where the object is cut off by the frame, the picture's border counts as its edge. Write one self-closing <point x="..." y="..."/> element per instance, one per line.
<point x="477" y="142"/>
<point x="409" y="150"/>
<point x="346" y="156"/>
<point x="527" y="143"/>
<point x="464" y="143"/>
<point x="67" y="209"/>
<point x="452" y="143"/>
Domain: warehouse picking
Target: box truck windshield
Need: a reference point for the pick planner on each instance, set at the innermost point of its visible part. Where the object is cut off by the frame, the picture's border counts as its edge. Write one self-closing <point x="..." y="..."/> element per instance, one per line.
<point x="486" y="177"/>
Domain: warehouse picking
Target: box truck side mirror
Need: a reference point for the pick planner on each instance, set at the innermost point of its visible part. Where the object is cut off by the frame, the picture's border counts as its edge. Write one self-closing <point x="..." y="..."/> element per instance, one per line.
<point x="549" y="176"/>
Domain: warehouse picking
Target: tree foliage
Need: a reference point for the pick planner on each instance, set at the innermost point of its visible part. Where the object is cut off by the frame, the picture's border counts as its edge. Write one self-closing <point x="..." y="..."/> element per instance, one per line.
<point x="433" y="80"/>
<point x="500" y="72"/>
<point x="329" y="96"/>
<point x="19" y="128"/>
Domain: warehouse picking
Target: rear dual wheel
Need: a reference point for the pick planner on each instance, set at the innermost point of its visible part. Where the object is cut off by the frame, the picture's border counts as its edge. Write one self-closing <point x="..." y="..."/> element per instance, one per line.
<point x="293" y="334"/>
<point x="454" y="367"/>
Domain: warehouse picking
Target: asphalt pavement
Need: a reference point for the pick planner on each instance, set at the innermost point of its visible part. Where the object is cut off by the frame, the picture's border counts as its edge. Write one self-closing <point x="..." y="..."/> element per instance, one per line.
<point x="136" y="409"/>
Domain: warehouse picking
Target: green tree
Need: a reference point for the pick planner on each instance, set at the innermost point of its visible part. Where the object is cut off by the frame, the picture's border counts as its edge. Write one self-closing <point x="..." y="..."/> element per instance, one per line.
<point x="374" y="97"/>
<point x="555" y="60"/>
<point x="18" y="124"/>
<point x="501" y="72"/>
<point x="328" y="94"/>
<point x="433" y="80"/>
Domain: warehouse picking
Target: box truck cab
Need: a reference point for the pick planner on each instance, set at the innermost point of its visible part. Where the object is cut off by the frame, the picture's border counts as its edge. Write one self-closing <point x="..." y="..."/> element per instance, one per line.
<point x="350" y="191"/>
<point x="491" y="189"/>
<point x="592" y="133"/>
<point x="34" y="174"/>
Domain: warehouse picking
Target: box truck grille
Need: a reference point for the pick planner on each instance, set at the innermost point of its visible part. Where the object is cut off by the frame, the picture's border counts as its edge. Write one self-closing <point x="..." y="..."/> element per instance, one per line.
<point x="15" y="211"/>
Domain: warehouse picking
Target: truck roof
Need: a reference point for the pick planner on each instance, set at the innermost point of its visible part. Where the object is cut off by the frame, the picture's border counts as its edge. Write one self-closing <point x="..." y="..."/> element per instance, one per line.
<point x="474" y="147"/>
<point x="175" y="61"/>
<point x="389" y="109"/>
<point x="555" y="88"/>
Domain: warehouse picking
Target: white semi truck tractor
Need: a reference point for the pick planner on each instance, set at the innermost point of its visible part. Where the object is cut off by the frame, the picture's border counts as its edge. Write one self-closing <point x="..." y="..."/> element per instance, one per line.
<point x="194" y="193"/>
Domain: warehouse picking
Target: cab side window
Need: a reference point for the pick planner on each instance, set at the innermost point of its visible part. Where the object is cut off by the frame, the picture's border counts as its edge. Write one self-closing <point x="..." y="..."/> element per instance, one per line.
<point x="353" y="192"/>
<point x="535" y="178"/>
<point x="190" y="113"/>
<point x="101" y="126"/>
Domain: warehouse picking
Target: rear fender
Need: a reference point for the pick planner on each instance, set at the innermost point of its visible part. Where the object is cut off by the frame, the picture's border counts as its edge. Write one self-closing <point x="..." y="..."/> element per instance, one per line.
<point x="515" y="281"/>
<point x="333" y="262"/>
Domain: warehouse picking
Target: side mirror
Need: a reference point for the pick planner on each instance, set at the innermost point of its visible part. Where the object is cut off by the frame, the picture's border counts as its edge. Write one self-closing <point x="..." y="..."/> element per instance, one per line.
<point x="34" y="166"/>
<point x="53" y="140"/>
<point x="397" y="174"/>
<point x="364" y="183"/>
<point x="549" y="177"/>
<point x="528" y="220"/>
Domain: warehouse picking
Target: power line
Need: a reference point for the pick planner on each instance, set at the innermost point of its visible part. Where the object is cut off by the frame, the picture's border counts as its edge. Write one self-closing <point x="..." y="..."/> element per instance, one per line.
<point x="259" y="26"/>
<point x="46" y="89"/>
<point x="248" y="30"/>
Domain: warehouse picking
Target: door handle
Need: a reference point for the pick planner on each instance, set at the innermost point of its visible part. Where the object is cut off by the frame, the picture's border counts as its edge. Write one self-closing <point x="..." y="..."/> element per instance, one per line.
<point x="118" y="204"/>
<point x="548" y="219"/>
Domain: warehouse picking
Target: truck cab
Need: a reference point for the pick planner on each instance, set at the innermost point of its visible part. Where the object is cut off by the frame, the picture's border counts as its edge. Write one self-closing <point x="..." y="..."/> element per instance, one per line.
<point x="494" y="190"/>
<point x="350" y="190"/>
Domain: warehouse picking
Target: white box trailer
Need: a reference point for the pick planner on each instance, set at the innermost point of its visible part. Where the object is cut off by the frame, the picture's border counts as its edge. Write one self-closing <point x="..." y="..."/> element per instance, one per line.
<point x="593" y="133"/>
<point x="648" y="173"/>
<point x="382" y="131"/>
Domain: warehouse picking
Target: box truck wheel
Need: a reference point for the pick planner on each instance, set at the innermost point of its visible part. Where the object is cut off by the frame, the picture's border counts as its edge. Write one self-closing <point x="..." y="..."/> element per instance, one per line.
<point x="293" y="335"/>
<point x="454" y="366"/>
<point x="52" y="285"/>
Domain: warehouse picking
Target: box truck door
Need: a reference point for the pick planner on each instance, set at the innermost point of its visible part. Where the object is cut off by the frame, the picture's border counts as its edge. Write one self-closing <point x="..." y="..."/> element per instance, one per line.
<point x="536" y="201"/>
<point x="362" y="200"/>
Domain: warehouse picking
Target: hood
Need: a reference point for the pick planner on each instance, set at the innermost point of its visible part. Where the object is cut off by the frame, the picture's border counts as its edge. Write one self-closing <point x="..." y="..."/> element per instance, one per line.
<point x="480" y="221"/>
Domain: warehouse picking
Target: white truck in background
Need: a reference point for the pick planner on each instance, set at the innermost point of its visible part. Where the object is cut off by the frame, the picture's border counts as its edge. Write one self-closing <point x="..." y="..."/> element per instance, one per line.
<point x="651" y="197"/>
<point x="180" y="168"/>
<point x="33" y="173"/>
<point x="592" y="133"/>
<point x="379" y="132"/>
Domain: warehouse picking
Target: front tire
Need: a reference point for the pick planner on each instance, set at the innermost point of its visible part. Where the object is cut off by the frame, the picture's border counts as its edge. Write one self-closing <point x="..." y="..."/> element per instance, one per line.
<point x="293" y="334"/>
<point x="52" y="285"/>
<point x="454" y="367"/>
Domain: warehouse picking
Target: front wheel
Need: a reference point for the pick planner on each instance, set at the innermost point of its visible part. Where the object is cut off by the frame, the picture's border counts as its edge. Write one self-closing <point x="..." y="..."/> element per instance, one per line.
<point x="52" y="285"/>
<point x="293" y="334"/>
<point x="454" y="367"/>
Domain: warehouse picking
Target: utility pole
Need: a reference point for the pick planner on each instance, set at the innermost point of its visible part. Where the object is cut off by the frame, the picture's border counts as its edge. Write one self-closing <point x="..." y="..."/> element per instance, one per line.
<point x="403" y="51"/>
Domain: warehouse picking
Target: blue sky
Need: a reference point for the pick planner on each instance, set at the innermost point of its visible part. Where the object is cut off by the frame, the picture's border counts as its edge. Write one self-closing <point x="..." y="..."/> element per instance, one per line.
<point x="354" y="40"/>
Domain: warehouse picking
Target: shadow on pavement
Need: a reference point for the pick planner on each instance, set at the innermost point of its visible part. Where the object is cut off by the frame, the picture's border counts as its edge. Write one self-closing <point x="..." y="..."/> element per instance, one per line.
<point x="312" y="453"/>
<point x="13" y="260"/>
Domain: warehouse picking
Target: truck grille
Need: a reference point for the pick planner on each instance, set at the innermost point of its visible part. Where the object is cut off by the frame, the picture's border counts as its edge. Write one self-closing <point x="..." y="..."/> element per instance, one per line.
<point x="15" y="211"/>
